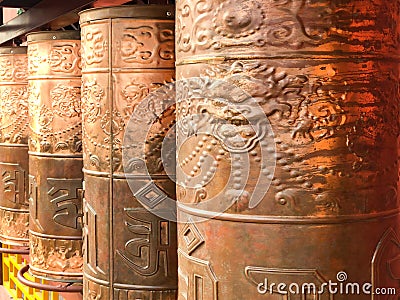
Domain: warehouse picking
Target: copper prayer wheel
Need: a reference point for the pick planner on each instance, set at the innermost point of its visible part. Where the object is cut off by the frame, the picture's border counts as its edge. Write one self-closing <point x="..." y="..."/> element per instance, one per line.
<point x="325" y="75"/>
<point x="127" y="52"/>
<point x="55" y="155"/>
<point x="14" y="205"/>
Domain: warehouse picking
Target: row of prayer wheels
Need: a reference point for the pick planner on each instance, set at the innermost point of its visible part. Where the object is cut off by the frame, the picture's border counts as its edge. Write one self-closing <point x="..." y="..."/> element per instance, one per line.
<point x="286" y="165"/>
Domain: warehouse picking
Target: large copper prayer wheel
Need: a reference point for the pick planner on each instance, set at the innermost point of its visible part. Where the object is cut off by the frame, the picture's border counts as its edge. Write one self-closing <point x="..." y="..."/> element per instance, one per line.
<point x="127" y="52"/>
<point x="14" y="205"/>
<point x="55" y="155"/>
<point x="325" y="75"/>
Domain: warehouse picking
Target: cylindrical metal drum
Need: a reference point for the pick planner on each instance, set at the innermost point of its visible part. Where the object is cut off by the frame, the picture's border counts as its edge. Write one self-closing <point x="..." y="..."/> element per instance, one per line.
<point x="127" y="52"/>
<point x="302" y="187"/>
<point x="55" y="155"/>
<point x="14" y="205"/>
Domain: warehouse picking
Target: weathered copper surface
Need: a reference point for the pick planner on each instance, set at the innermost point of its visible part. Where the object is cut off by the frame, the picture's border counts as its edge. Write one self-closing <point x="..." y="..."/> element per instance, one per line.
<point x="127" y="52"/>
<point x="14" y="212"/>
<point x="326" y="76"/>
<point x="55" y="157"/>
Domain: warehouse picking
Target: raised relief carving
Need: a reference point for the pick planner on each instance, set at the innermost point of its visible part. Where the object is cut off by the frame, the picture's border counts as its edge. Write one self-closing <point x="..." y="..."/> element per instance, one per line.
<point x="147" y="245"/>
<point x="150" y="195"/>
<point x="33" y="99"/>
<point x="20" y="68"/>
<point x="66" y="197"/>
<point x="146" y="44"/>
<point x="289" y="25"/>
<point x="190" y="28"/>
<point x="192" y="237"/>
<point x="283" y="95"/>
<point x="56" y="255"/>
<point x="197" y="279"/>
<point x="13" y="68"/>
<point x="66" y="100"/>
<point x="236" y="20"/>
<point x="306" y="110"/>
<point x="134" y="93"/>
<point x="35" y="59"/>
<point x="14" y="225"/>
<point x="33" y="203"/>
<point x="92" y="95"/>
<point x="45" y="137"/>
<point x="112" y="123"/>
<point x="13" y="114"/>
<point x="13" y="183"/>
<point x="65" y="57"/>
<point x="94" y="46"/>
<point x="320" y="115"/>
<point x="6" y="69"/>
<point x="90" y="238"/>
<point x="94" y="291"/>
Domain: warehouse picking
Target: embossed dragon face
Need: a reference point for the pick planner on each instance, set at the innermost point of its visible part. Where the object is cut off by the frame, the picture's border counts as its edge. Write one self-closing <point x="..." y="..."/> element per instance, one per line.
<point x="233" y="125"/>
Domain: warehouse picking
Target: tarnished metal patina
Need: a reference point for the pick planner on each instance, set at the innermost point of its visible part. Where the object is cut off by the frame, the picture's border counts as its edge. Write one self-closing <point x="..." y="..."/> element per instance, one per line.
<point x="55" y="155"/>
<point x="14" y="205"/>
<point x="127" y="52"/>
<point x="326" y="76"/>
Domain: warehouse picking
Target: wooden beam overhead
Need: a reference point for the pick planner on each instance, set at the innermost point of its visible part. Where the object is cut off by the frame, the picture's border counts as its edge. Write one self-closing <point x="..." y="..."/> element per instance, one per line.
<point x="39" y="15"/>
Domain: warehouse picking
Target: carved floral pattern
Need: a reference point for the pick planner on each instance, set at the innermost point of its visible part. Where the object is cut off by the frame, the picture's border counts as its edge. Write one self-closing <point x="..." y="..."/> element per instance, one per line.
<point x="112" y="124"/>
<point x="66" y="100"/>
<point x="322" y="109"/>
<point x="92" y="95"/>
<point x="134" y="93"/>
<point x="242" y="23"/>
<point x="287" y="24"/>
<point x="13" y="114"/>
<point x="45" y="137"/>
<point x="56" y="255"/>
<point x="45" y="119"/>
<point x="14" y="224"/>
<point x="295" y="99"/>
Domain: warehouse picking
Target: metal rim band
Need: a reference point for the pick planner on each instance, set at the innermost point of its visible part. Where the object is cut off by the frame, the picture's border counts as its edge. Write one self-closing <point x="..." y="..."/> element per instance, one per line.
<point x="54" y="155"/>
<point x="13" y="50"/>
<point x="159" y="12"/>
<point x="53" y="35"/>
<point x="310" y="55"/>
<point x="14" y="241"/>
<point x="56" y="237"/>
<point x="129" y="286"/>
<point x="14" y="251"/>
<point x="58" y="276"/>
<point x="46" y="287"/>
<point x="287" y="220"/>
